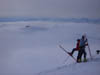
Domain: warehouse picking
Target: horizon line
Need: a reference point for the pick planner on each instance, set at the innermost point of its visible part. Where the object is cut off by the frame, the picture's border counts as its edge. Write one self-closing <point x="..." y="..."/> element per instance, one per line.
<point x="76" y="20"/>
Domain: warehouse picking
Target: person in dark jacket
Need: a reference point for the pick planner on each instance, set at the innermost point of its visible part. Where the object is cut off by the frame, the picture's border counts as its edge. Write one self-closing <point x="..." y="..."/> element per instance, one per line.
<point x="83" y="44"/>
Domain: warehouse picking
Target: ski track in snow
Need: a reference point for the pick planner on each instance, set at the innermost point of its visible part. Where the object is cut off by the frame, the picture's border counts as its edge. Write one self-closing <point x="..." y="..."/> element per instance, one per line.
<point x="92" y="67"/>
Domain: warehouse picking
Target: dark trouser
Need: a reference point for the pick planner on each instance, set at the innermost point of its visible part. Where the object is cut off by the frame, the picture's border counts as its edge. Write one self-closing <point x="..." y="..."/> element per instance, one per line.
<point x="80" y="53"/>
<point x="74" y="49"/>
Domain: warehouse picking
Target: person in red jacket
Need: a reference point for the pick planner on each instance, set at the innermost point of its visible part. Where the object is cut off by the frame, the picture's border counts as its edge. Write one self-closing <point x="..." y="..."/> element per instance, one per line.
<point x="77" y="47"/>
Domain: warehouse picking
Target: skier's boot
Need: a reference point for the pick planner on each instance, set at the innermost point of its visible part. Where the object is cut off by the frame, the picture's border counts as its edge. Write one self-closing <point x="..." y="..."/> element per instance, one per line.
<point x="70" y="53"/>
<point x="79" y="60"/>
<point x="85" y="60"/>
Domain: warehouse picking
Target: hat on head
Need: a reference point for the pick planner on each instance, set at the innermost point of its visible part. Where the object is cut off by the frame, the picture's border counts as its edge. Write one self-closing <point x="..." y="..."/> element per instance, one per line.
<point x="78" y="39"/>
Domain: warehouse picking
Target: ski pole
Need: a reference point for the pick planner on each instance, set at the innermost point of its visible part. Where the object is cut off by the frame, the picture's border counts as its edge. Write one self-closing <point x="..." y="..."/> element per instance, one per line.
<point x="89" y="48"/>
<point x="66" y="60"/>
<point x="89" y="51"/>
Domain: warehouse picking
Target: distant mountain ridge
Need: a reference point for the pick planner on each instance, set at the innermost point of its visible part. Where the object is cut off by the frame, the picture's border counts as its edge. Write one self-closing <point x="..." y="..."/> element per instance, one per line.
<point x="75" y="20"/>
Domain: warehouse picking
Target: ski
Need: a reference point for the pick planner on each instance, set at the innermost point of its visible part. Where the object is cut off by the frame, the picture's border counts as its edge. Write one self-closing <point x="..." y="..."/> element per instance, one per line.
<point x="67" y="52"/>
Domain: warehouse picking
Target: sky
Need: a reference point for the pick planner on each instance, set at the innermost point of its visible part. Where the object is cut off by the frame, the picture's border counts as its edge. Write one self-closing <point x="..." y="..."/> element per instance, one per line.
<point x="50" y="8"/>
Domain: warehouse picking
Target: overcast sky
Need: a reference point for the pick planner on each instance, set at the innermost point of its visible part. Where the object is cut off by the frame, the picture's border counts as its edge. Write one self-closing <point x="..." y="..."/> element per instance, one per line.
<point x="50" y="8"/>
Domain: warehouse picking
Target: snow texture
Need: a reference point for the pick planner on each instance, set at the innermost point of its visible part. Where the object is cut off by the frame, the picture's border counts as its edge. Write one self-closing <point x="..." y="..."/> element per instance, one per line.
<point x="29" y="48"/>
<point x="92" y="67"/>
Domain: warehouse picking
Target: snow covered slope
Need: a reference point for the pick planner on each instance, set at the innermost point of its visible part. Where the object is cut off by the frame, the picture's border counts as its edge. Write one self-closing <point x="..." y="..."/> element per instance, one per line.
<point x="31" y="47"/>
<point x="92" y="67"/>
